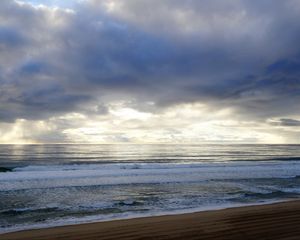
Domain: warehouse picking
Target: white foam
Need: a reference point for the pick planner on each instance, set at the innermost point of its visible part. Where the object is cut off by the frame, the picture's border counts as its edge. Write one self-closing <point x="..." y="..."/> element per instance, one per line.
<point x="114" y="174"/>
<point x="114" y="166"/>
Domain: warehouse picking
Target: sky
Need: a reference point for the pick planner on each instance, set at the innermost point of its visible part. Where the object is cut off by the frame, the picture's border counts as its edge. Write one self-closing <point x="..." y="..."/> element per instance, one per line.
<point x="141" y="71"/>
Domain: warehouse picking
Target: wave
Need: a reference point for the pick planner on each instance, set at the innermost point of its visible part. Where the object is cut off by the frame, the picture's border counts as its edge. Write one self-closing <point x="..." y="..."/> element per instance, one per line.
<point x="5" y="169"/>
<point x="273" y="195"/>
<point x="115" y="166"/>
<point x="80" y="208"/>
<point x="118" y="174"/>
<point x="22" y="211"/>
<point x="283" y="159"/>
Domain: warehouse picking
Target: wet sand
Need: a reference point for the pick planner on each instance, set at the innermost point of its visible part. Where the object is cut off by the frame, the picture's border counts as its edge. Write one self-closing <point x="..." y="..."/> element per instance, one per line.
<point x="273" y="221"/>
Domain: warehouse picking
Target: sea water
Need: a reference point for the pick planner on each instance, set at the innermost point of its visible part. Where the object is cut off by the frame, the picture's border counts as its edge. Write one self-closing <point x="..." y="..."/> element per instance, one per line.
<point x="51" y="185"/>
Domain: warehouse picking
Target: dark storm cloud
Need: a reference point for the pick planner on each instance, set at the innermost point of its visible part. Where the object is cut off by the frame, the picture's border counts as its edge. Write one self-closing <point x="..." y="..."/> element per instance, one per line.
<point x="285" y="66"/>
<point x="239" y="54"/>
<point x="274" y="92"/>
<point x="289" y="122"/>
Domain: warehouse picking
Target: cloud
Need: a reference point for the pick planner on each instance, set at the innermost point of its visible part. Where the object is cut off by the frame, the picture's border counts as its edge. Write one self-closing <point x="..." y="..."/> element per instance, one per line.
<point x="83" y="56"/>
<point x="286" y="122"/>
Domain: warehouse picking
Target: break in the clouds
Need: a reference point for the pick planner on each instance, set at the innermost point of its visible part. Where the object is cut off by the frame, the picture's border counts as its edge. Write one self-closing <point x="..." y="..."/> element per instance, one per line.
<point x="149" y="71"/>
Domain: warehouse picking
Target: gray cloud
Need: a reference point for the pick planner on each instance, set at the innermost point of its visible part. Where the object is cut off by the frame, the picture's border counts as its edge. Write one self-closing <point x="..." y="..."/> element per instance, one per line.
<point x="287" y="122"/>
<point x="239" y="54"/>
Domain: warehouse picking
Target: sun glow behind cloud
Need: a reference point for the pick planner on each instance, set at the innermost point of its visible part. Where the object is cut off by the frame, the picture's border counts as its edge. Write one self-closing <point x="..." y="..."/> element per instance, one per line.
<point x="185" y="123"/>
<point x="114" y="72"/>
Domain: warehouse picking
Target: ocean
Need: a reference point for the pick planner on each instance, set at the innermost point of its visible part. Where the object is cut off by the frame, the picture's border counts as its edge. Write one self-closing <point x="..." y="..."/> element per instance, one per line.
<point x="52" y="185"/>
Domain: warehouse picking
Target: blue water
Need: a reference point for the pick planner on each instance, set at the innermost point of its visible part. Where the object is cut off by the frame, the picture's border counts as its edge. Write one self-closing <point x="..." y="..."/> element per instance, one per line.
<point x="48" y="185"/>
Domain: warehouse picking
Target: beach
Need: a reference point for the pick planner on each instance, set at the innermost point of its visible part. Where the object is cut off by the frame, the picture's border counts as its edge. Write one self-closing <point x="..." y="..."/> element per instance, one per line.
<point x="271" y="221"/>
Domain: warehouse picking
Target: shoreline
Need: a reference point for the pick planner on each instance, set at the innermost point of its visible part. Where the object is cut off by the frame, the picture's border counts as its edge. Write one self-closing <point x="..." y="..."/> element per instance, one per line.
<point x="177" y="223"/>
<point x="98" y="219"/>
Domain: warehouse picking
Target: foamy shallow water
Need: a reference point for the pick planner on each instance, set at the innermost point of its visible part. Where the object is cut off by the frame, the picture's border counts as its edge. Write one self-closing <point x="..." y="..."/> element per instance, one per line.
<point x="54" y="185"/>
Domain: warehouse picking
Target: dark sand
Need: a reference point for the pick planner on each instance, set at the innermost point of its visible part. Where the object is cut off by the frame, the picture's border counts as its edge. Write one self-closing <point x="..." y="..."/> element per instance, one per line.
<point x="274" y="221"/>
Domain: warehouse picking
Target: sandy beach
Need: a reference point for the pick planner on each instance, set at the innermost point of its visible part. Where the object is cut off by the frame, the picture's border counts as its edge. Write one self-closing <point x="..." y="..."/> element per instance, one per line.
<point x="272" y="221"/>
